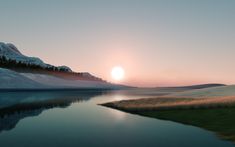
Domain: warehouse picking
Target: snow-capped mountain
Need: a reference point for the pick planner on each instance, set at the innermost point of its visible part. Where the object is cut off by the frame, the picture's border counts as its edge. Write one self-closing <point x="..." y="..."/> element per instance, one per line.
<point x="10" y="51"/>
<point x="18" y="71"/>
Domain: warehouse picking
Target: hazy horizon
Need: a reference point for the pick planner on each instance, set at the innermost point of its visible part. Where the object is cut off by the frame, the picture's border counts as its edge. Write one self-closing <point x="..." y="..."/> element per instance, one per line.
<point x="157" y="42"/>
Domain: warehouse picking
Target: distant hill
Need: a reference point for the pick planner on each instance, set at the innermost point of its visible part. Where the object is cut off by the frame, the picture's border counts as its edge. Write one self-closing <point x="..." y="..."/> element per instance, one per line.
<point x="201" y="86"/>
<point x="220" y="91"/>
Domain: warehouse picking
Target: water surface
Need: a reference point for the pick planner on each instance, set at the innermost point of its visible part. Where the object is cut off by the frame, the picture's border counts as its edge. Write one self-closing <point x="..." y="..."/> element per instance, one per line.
<point x="73" y="118"/>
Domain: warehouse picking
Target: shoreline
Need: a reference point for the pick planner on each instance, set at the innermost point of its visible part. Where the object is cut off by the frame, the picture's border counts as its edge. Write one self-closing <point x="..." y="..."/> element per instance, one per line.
<point x="217" y="116"/>
<point x="170" y="103"/>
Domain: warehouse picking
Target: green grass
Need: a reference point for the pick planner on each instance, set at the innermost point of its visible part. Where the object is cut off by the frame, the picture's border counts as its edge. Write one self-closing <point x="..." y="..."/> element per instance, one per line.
<point x="219" y="120"/>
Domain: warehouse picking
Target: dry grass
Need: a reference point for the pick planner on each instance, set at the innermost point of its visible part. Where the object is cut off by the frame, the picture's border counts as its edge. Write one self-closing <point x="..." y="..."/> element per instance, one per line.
<point x="172" y="103"/>
<point x="214" y="114"/>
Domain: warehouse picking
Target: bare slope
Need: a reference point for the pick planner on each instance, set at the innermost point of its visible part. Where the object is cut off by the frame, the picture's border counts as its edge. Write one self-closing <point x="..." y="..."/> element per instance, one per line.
<point x="207" y="92"/>
<point x="13" y="80"/>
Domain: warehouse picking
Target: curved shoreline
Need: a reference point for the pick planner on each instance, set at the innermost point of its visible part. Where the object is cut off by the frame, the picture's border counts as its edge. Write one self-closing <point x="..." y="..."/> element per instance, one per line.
<point x="213" y="114"/>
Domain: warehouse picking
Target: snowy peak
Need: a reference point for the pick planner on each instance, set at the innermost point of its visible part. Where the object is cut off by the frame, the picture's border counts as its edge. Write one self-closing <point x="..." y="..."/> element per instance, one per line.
<point x="14" y="48"/>
<point x="10" y="51"/>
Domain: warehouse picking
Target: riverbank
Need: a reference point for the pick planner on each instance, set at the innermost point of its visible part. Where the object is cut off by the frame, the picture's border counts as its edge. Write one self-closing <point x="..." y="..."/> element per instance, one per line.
<point x="168" y="103"/>
<point x="213" y="114"/>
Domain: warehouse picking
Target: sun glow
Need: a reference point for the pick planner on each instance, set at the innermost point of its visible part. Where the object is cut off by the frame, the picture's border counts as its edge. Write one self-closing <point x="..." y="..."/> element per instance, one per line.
<point x="117" y="73"/>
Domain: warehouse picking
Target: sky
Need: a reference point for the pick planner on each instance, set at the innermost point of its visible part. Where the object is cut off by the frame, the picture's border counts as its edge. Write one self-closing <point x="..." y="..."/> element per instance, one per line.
<point x="157" y="42"/>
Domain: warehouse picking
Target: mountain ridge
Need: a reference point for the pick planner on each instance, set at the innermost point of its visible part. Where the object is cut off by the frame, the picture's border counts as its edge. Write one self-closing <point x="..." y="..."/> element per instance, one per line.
<point x="11" y="52"/>
<point x="18" y="71"/>
<point x="12" y="58"/>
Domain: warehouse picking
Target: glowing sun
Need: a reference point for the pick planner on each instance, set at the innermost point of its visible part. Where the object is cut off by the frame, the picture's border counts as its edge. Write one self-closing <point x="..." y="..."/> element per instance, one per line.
<point x="117" y="73"/>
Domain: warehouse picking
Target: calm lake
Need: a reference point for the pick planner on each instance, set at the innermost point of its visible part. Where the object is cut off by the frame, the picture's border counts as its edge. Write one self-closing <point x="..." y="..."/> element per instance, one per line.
<point x="73" y="118"/>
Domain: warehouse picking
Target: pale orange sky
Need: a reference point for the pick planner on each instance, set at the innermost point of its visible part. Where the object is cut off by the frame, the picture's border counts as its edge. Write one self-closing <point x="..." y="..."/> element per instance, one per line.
<point x="158" y="43"/>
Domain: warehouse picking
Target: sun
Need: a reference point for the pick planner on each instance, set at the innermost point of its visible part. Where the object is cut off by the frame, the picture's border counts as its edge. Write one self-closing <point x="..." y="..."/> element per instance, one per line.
<point x="117" y="73"/>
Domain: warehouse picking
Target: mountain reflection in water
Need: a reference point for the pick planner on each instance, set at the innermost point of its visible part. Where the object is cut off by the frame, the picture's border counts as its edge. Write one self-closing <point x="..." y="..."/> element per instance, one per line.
<point x="15" y="106"/>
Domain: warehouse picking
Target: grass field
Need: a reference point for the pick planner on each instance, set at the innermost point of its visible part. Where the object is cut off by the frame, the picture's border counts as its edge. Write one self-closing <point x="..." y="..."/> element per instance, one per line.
<point x="218" y="120"/>
<point x="165" y="103"/>
<point x="213" y="114"/>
